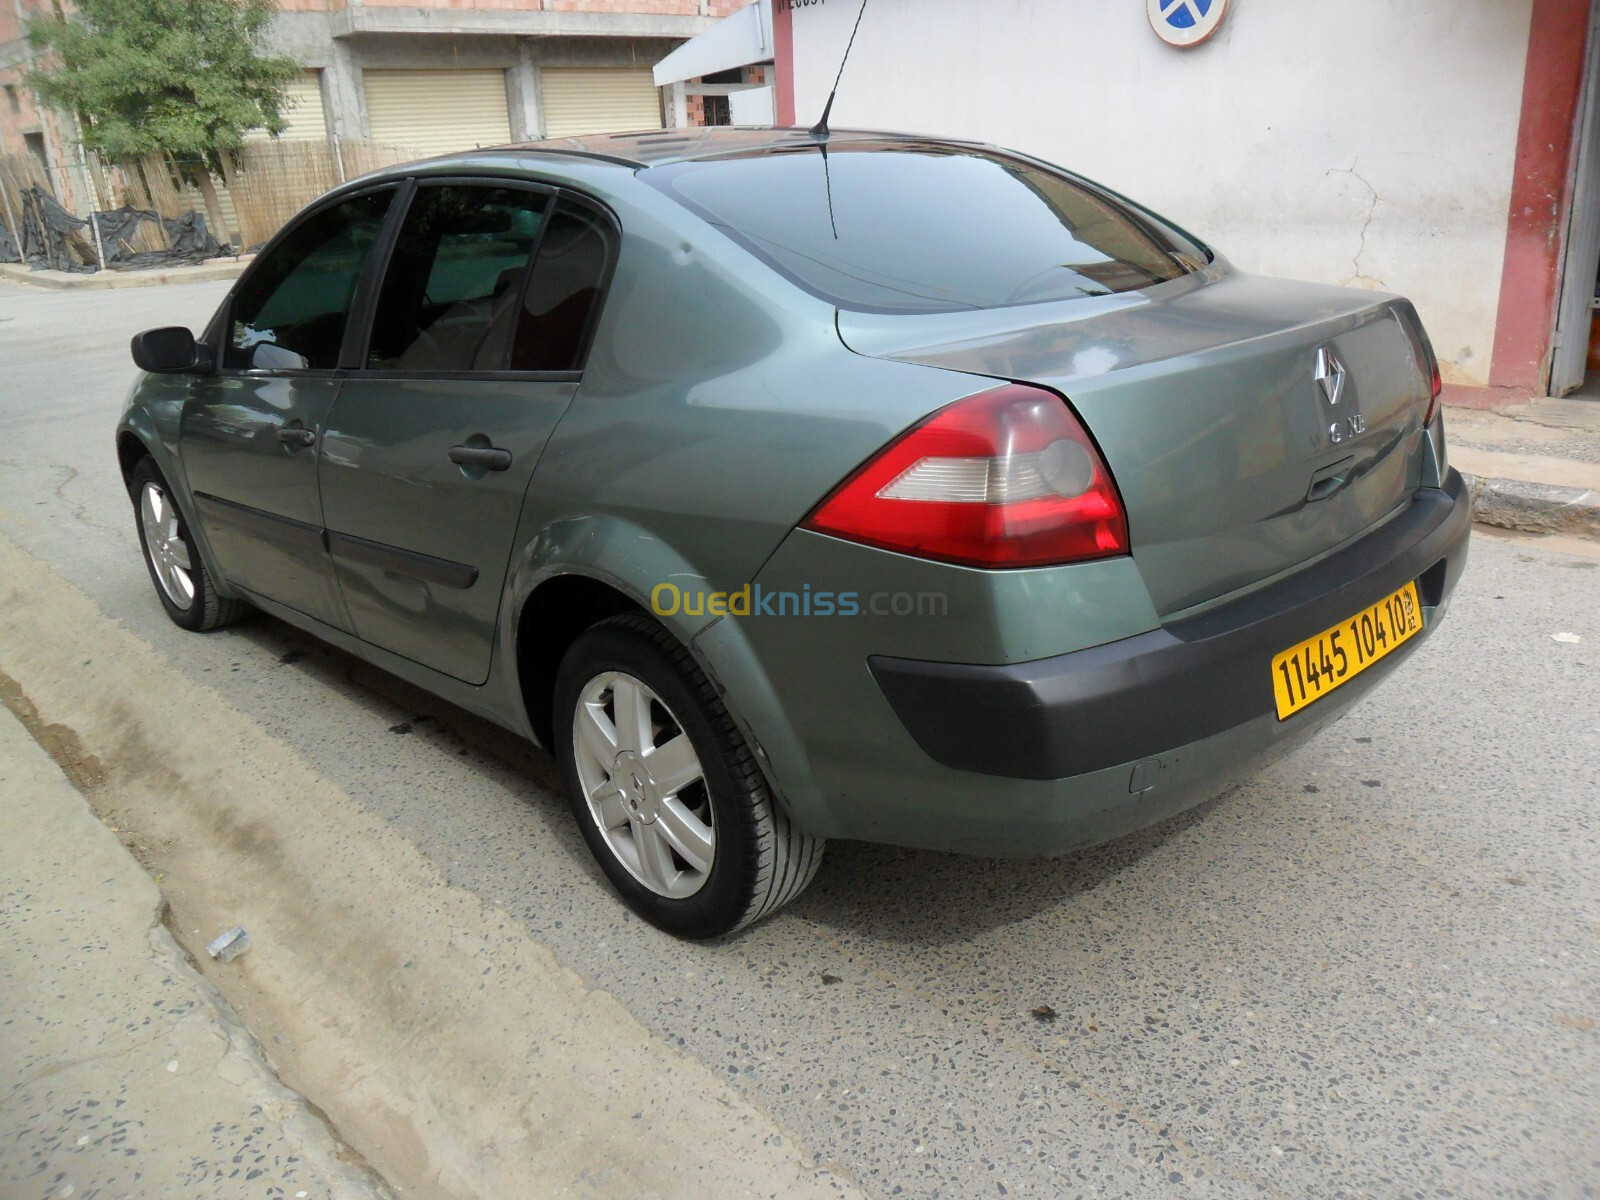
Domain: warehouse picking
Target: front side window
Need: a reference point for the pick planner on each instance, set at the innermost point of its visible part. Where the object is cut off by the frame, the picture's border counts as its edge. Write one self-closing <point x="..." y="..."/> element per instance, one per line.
<point x="291" y="313"/>
<point x="450" y="295"/>
<point x="928" y="227"/>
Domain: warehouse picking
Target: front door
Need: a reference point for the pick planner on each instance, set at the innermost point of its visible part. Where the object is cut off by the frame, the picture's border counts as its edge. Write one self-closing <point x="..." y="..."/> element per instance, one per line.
<point x="476" y="344"/>
<point x="250" y="434"/>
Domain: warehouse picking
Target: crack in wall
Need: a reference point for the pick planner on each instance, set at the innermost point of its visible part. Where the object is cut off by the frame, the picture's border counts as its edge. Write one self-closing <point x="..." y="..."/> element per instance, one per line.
<point x="1372" y="209"/>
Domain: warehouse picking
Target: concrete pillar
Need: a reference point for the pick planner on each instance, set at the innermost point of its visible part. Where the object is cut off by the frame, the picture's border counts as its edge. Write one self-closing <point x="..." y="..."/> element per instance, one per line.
<point x="344" y="106"/>
<point x="525" y="97"/>
<point x="678" y="109"/>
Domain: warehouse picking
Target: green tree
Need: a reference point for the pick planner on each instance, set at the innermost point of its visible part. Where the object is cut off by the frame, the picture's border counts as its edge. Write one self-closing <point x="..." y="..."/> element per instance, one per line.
<point x="183" y="78"/>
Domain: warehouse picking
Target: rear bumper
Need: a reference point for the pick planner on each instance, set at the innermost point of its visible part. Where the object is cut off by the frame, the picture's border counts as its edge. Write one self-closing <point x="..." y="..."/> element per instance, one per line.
<point x="1189" y="682"/>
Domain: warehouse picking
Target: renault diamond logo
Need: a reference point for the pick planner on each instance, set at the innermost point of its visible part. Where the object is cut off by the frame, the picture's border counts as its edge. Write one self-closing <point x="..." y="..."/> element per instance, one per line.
<point x="1329" y="374"/>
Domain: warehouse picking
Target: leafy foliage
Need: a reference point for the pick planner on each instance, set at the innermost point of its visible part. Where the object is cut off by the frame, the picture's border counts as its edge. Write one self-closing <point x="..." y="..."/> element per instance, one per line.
<point x="182" y="77"/>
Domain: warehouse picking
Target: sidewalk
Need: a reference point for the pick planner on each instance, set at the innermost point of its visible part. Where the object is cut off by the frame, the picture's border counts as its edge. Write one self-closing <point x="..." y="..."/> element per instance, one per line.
<point x="122" y="1072"/>
<point x="1533" y="466"/>
<point x="61" y="281"/>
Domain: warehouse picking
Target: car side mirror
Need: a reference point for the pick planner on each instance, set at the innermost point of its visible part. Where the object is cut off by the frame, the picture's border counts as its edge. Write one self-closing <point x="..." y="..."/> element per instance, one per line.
<point x="170" y="350"/>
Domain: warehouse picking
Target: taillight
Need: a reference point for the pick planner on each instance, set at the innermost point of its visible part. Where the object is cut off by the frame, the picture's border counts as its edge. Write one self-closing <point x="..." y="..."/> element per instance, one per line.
<point x="1430" y="363"/>
<point x="1436" y="383"/>
<point x="1006" y="478"/>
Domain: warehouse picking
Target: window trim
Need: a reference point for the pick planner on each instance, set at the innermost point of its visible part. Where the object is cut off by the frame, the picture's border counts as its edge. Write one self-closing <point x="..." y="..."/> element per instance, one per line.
<point x="220" y="330"/>
<point x="353" y="356"/>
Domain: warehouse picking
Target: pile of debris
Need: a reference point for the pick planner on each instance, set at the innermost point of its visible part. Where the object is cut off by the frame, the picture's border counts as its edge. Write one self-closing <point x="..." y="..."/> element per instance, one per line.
<point x="52" y="238"/>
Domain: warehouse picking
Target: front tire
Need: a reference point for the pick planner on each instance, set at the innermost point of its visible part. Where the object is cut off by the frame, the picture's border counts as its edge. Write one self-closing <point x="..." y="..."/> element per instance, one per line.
<point x="665" y="789"/>
<point x="182" y="582"/>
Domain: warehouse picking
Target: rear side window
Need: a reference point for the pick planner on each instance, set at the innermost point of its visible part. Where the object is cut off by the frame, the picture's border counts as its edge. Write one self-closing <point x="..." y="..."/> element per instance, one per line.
<point x="564" y="292"/>
<point x="290" y="314"/>
<point x="450" y="293"/>
<point x="924" y="227"/>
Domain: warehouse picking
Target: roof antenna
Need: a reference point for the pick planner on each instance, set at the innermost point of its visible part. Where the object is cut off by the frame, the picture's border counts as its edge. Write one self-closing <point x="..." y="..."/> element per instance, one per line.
<point x="820" y="129"/>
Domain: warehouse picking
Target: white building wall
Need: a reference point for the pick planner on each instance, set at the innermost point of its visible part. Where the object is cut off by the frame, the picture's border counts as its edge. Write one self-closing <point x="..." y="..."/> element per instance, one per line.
<point x="1364" y="142"/>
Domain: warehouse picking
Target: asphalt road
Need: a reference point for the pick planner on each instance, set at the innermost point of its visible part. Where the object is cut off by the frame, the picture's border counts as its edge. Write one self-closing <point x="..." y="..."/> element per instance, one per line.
<point x="1373" y="970"/>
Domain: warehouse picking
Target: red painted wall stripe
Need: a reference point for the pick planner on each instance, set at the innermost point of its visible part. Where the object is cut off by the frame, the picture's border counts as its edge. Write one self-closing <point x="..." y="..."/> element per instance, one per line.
<point x="783" y="59"/>
<point x="1531" y="276"/>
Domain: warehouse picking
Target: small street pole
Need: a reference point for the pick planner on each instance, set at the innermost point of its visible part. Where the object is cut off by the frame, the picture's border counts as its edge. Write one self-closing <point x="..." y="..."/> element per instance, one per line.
<point x="94" y="226"/>
<point x="11" y="214"/>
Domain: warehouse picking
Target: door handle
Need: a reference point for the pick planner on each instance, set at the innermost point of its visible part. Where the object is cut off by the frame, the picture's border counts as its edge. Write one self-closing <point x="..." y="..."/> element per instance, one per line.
<point x="490" y="458"/>
<point x="295" y="435"/>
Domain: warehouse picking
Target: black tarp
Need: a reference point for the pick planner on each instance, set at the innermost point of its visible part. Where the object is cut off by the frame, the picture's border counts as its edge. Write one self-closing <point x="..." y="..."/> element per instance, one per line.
<point x="53" y="238"/>
<point x="187" y="238"/>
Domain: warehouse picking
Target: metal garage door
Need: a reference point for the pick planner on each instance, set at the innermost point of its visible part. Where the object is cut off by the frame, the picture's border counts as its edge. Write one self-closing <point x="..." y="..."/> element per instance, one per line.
<point x="437" y="111"/>
<point x="302" y="110"/>
<point x="598" y="100"/>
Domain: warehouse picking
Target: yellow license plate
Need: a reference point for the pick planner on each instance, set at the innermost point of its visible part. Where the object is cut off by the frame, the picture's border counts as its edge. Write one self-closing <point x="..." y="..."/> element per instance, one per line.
<point x="1305" y="673"/>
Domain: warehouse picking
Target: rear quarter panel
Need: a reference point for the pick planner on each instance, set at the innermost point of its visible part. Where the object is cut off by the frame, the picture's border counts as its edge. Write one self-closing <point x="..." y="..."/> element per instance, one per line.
<point x="717" y="407"/>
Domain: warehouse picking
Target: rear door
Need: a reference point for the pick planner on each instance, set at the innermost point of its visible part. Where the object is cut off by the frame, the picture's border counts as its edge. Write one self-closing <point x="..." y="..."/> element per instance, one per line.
<point x="477" y="342"/>
<point x="249" y="436"/>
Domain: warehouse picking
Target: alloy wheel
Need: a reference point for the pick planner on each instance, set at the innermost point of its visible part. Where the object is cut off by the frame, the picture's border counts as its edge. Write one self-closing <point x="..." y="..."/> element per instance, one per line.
<point x="644" y="785"/>
<point x="169" y="553"/>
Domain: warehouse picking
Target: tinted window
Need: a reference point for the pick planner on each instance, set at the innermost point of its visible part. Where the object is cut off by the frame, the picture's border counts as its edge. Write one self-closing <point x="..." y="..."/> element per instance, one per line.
<point x="563" y="292"/>
<point x="291" y="312"/>
<point x="449" y="298"/>
<point x="920" y="227"/>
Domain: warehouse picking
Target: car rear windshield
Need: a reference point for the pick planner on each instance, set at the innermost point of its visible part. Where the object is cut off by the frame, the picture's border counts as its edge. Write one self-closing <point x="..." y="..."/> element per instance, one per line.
<point x="928" y="227"/>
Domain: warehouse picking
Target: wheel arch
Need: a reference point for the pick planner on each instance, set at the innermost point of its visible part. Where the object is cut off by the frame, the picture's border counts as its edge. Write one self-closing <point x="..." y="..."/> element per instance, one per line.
<point x="552" y="617"/>
<point x="140" y="435"/>
<point x="577" y="573"/>
<point x="130" y="449"/>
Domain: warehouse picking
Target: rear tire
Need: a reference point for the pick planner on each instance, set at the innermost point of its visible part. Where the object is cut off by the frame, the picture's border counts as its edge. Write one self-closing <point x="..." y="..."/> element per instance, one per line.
<point x="182" y="582"/>
<point x="665" y="789"/>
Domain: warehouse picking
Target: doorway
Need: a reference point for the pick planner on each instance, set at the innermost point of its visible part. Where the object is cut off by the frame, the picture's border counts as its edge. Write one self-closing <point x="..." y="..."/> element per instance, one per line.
<point x="1575" y="355"/>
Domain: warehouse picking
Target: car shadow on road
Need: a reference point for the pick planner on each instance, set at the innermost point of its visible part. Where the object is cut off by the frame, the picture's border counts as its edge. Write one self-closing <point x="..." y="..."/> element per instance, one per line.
<point x="927" y="897"/>
<point x="882" y="892"/>
<point x="399" y="708"/>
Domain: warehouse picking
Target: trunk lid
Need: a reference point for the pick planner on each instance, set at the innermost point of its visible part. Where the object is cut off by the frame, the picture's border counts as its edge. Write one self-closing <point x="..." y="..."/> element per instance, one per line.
<point x="1251" y="424"/>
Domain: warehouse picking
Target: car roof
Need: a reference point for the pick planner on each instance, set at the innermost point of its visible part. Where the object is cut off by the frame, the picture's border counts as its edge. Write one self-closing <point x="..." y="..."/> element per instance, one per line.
<point x="655" y="147"/>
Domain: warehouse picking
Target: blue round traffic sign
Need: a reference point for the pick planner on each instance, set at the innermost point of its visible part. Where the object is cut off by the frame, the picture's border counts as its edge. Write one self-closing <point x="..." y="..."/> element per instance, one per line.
<point x="1185" y="22"/>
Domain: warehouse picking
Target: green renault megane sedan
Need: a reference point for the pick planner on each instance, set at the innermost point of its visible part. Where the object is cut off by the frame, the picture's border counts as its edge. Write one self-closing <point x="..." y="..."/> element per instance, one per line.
<point x="790" y="486"/>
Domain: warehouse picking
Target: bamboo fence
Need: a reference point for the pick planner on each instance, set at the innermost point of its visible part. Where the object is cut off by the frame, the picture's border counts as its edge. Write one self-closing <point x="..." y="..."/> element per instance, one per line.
<point x="264" y="183"/>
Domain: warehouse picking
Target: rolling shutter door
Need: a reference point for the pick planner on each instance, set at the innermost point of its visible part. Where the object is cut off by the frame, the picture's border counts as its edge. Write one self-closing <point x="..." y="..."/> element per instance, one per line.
<point x="598" y="100"/>
<point x="302" y="111"/>
<point x="437" y="112"/>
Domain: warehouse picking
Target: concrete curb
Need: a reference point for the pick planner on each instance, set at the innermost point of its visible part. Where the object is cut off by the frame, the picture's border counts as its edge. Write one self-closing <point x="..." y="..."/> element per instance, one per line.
<point x="67" y="281"/>
<point x="113" y="1036"/>
<point x="450" y="1049"/>
<point x="1534" y="507"/>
